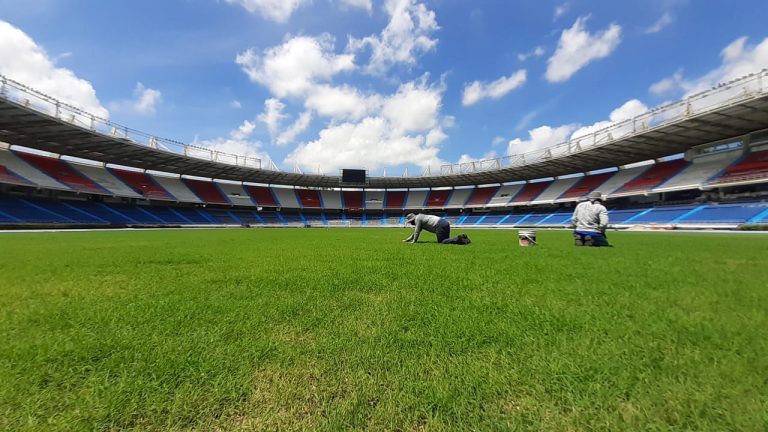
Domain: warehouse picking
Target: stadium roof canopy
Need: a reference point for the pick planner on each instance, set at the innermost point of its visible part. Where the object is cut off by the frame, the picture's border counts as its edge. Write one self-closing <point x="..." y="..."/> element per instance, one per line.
<point x="31" y="119"/>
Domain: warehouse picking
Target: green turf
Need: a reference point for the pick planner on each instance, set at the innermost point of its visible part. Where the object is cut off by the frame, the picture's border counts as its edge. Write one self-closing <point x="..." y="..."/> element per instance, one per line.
<point x="329" y="329"/>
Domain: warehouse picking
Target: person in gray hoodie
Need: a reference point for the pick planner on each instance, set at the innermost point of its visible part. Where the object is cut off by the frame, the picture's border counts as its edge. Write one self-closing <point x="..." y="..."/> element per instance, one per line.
<point x="433" y="224"/>
<point x="590" y="219"/>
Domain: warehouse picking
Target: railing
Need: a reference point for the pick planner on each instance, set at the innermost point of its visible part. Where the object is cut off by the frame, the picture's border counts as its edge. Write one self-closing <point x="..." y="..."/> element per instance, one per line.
<point x="739" y="90"/>
<point x="734" y="92"/>
<point x="21" y="94"/>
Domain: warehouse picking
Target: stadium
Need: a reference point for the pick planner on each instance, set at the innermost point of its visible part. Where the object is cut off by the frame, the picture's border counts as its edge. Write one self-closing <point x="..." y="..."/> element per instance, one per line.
<point x="150" y="284"/>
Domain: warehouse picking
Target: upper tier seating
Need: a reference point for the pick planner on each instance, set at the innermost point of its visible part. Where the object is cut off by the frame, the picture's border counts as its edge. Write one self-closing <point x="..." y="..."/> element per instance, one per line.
<point x="374" y="199"/>
<point x="700" y="169"/>
<point x="503" y="195"/>
<point x="262" y="195"/>
<point x="438" y="198"/>
<point x="654" y="176"/>
<point x="207" y="191"/>
<point x="236" y="194"/>
<point x="619" y="178"/>
<point x="142" y="184"/>
<point x="286" y="197"/>
<point x="395" y="200"/>
<point x="6" y="176"/>
<point x="530" y="191"/>
<point x="63" y="172"/>
<point x="556" y="189"/>
<point x="107" y="180"/>
<point x="176" y="188"/>
<point x="309" y="198"/>
<point x="481" y="196"/>
<point x="585" y="185"/>
<point x="753" y="167"/>
<point x="331" y="199"/>
<point x="416" y="199"/>
<point x="353" y="199"/>
<point x="459" y="197"/>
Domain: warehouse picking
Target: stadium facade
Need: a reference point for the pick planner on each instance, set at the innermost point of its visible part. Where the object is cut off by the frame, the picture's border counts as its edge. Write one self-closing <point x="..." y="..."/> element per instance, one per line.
<point x="699" y="162"/>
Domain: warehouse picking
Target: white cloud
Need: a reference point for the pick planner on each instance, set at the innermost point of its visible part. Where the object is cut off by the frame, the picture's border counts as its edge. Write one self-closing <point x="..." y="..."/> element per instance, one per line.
<point x="144" y="101"/>
<point x="296" y="66"/>
<point x="273" y="10"/>
<point x="344" y="102"/>
<point x="661" y="24"/>
<point x="408" y="35"/>
<point x="539" y="138"/>
<point x="364" y="4"/>
<point x="25" y="61"/>
<point x="465" y="158"/>
<point x="237" y="143"/>
<point x="560" y="10"/>
<point x="628" y="110"/>
<point x="536" y="52"/>
<point x="299" y="126"/>
<point x="403" y="128"/>
<point x="272" y="115"/>
<point x="577" y="48"/>
<point x="476" y="91"/>
<point x="236" y="104"/>
<point x="738" y="59"/>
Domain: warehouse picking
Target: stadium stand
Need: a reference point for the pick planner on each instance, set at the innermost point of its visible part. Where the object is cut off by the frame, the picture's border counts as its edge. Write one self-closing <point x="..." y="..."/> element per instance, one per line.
<point x="286" y="197"/>
<point x="62" y="172"/>
<point x="26" y="171"/>
<point x="395" y="199"/>
<point x="557" y="188"/>
<point x="459" y="197"/>
<point x="482" y="195"/>
<point x="106" y="180"/>
<point x="653" y="176"/>
<point x="585" y="185"/>
<point x="262" y="195"/>
<point x="353" y="199"/>
<point x="331" y="199"/>
<point x="236" y="194"/>
<point x="309" y="198"/>
<point x="699" y="171"/>
<point x="416" y="199"/>
<point x="176" y="188"/>
<point x="206" y="191"/>
<point x="619" y="178"/>
<point x="143" y="184"/>
<point x="8" y="177"/>
<point x="753" y="167"/>
<point x="437" y="198"/>
<point x="530" y="192"/>
<point x="502" y="197"/>
<point x="374" y="199"/>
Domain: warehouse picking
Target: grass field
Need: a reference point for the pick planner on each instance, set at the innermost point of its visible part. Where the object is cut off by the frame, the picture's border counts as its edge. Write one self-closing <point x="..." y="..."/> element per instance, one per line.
<point x="330" y="329"/>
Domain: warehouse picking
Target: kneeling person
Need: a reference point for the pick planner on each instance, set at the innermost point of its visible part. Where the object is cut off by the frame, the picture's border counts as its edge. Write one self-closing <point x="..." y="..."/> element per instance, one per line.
<point x="433" y="224"/>
<point x="590" y="219"/>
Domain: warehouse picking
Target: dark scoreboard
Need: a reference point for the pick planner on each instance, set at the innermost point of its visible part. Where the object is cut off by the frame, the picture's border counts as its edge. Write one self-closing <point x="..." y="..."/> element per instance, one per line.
<point x="353" y="176"/>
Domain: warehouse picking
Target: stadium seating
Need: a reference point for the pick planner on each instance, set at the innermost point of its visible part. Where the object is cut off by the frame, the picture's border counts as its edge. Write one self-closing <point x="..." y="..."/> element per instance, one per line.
<point x="286" y="197"/>
<point x="655" y="175"/>
<point x="437" y="198"/>
<point x="619" y="178"/>
<point x="106" y="180"/>
<point x="62" y="172"/>
<point x="585" y="185"/>
<point x="459" y="197"/>
<point x="416" y="199"/>
<point x="352" y="199"/>
<point x="26" y="171"/>
<point x="557" y="188"/>
<point x="699" y="171"/>
<point x="753" y="167"/>
<point x="206" y="191"/>
<point x="663" y="215"/>
<point x="176" y="188"/>
<point x="395" y="199"/>
<point x="481" y="196"/>
<point x="529" y="192"/>
<point x="236" y="194"/>
<point x="331" y="199"/>
<point x="503" y="195"/>
<point x="726" y="214"/>
<point x="262" y="196"/>
<point x="309" y="198"/>
<point x="142" y="184"/>
<point x="8" y="177"/>
<point x="374" y="199"/>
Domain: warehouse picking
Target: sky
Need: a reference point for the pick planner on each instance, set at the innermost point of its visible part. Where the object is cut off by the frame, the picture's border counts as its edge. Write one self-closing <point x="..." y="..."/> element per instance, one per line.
<point x="385" y="85"/>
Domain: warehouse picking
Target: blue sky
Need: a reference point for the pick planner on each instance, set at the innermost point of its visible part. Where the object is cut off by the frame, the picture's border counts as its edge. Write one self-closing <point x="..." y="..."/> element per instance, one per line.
<point x="325" y="84"/>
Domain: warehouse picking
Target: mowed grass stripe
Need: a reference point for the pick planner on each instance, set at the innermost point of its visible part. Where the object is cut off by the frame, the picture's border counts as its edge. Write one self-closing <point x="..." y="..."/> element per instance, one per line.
<point x="328" y="329"/>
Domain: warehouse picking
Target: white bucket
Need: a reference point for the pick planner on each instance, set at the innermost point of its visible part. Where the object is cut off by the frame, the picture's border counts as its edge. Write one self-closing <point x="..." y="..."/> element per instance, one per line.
<point x="527" y="238"/>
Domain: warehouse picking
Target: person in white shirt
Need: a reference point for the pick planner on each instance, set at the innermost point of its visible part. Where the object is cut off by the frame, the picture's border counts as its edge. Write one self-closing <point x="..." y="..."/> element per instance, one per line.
<point x="590" y="219"/>
<point x="433" y="224"/>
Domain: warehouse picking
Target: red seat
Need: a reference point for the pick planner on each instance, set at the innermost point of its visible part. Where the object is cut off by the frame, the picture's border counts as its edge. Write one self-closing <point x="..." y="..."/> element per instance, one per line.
<point x="309" y="198"/>
<point x="530" y="191"/>
<point x="142" y="184"/>
<point x="395" y="200"/>
<point x="438" y="198"/>
<point x="586" y="185"/>
<point x="262" y="195"/>
<point x="481" y="196"/>
<point x="207" y="191"/>
<point x="62" y="172"/>
<point x="654" y="176"/>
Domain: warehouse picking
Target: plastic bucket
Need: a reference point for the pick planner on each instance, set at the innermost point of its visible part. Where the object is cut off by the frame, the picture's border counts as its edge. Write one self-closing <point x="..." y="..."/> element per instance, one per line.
<point x="527" y="238"/>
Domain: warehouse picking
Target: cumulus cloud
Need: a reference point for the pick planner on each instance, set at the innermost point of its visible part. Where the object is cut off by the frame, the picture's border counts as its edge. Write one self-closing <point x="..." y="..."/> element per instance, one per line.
<point x="273" y="10"/>
<point x="272" y="115"/>
<point x="363" y="4"/>
<point x="296" y="66"/>
<point x="236" y="104"/>
<point x="238" y="142"/>
<point x="404" y="128"/>
<point x="737" y="59"/>
<point x="144" y="101"/>
<point x="539" y="138"/>
<point x="465" y="158"/>
<point x="627" y="111"/>
<point x="342" y="102"/>
<point x="661" y="24"/>
<point x="577" y="48"/>
<point x="536" y="52"/>
<point x="476" y="91"/>
<point x="407" y="35"/>
<point x="300" y="125"/>
<point x="27" y="62"/>
<point x="560" y="10"/>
